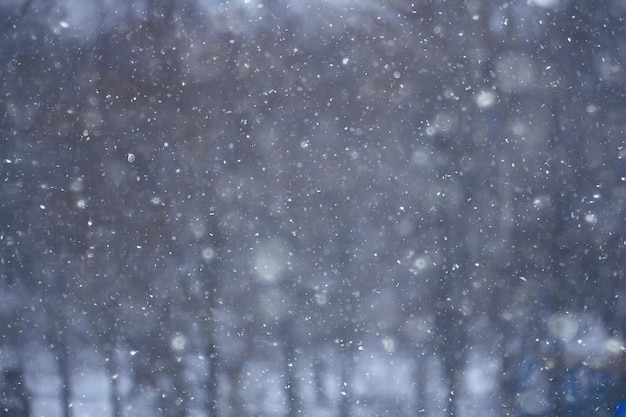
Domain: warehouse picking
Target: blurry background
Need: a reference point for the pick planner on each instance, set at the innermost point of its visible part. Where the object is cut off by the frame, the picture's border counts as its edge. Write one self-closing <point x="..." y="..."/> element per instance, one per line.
<point x="335" y="208"/>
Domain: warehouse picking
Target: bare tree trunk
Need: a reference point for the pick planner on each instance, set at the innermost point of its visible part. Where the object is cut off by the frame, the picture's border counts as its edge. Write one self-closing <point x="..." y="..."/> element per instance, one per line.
<point x="452" y="359"/>
<point x="112" y="368"/>
<point x="181" y="392"/>
<point x="235" y="400"/>
<point x="319" y="368"/>
<point x="212" y="377"/>
<point x="294" y="402"/>
<point x="449" y="321"/>
<point x="507" y="385"/>
<point x="62" y="356"/>
<point x="58" y="329"/>
<point x="346" y="383"/>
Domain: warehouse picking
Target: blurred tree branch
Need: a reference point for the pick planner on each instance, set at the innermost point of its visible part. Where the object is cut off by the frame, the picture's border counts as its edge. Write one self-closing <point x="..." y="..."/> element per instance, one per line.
<point x="11" y="20"/>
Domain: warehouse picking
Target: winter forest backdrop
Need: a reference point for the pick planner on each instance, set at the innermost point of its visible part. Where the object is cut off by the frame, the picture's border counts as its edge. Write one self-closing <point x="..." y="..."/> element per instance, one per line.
<point x="343" y="208"/>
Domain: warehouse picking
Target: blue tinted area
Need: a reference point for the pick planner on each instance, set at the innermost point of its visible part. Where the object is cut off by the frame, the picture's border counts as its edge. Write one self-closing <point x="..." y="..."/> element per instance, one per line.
<point x="333" y="208"/>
